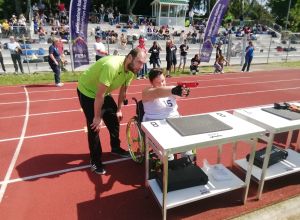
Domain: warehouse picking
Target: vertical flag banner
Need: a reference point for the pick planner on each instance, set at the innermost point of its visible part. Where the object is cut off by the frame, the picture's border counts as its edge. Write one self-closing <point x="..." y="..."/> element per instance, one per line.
<point x="212" y="27"/>
<point x="78" y="16"/>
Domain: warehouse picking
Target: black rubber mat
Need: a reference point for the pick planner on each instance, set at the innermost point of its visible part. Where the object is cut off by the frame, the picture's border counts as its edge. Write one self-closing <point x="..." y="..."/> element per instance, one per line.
<point x="284" y="113"/>
<point x="198" y="124"/>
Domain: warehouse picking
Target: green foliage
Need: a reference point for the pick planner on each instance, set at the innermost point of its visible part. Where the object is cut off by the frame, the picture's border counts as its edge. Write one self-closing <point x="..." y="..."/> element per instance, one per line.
<point x="36" y="78"/>
<point x="295" y="18"/>
<point x="279" y="9"/>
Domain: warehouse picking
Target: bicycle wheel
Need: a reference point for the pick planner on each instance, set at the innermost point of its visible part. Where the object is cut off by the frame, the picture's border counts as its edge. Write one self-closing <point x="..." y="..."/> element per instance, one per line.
<point x="135" y="140"/>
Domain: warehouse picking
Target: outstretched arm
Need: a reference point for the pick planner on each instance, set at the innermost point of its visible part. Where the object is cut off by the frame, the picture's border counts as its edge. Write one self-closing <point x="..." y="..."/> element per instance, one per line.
<point x="153" y="93"/>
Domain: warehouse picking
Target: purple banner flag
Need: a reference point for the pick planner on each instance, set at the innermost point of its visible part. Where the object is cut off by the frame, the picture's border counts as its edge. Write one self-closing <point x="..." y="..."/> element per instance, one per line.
<point x="212" y="27"/>
<point x="79" y="14"/>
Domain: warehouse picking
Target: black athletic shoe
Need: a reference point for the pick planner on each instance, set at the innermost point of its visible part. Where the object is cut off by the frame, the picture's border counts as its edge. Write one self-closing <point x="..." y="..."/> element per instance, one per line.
<point x="121" y="152"/>
<point x="98" y="169"/>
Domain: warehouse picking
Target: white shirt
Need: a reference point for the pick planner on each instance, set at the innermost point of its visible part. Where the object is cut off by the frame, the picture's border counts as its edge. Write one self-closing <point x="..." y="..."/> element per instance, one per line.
<point x="99" y="47"/>
<point x="12" y="47"/>
<point x="160" y="108"/>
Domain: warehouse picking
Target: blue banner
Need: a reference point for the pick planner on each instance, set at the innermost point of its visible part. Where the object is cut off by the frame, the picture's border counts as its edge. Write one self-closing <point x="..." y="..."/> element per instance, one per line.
<point x="78" y="16"/>
<point x="212" y="27"/>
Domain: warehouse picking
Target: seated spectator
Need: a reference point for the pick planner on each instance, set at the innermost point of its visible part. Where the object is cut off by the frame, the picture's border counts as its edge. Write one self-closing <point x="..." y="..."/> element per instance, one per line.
<point x="182" y="37"/>
<point x="195" y="62"/>
<point x="5" y="28"/>
<point x="123" y="41"/>
<point x="42" y="34"/>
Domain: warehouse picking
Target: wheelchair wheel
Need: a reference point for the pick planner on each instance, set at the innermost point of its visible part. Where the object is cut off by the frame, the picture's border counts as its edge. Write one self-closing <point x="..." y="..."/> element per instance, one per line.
<point x="135" y="140"/>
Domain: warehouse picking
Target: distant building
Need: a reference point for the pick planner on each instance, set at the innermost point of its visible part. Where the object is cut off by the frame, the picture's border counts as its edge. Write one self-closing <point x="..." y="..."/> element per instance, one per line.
<point x="170" y="12"/>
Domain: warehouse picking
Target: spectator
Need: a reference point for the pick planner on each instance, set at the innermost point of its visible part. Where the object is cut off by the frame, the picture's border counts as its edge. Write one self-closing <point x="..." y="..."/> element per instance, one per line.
<point x="154" y="57"/>
<point x="5" y="28"/>
<point x="174" y="56"/>
<point x="169" y="57"/>
<point x="123" y="41"/>
<point x="42" y="34"/>
<point x="110" y="16"/>
<point x="63" y="61"/>
<point x="54" y="61"/>
<point x="1" y="59"/>
<point x="183" y="54"/>
<point x="99" y="48"/>
<point x="195" y="62"/>
<point x="219" y="64"/>
<point x="102" y="13"/>
<point x="15" y="52"/>
<point x="248" y="56"/>
<point x="117" y="15"/>
<point x="143" y="72"/>
<point x="191" y="16"/>
<point x="94" y="88"/>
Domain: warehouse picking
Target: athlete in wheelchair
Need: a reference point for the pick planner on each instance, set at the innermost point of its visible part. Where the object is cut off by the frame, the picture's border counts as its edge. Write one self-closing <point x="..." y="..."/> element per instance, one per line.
<point x="158" y="102"/>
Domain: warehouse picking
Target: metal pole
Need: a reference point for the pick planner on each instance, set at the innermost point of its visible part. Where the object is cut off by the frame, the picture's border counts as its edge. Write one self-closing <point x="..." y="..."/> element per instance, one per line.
<point x="287" y="52"/>
<point x="71" y="53"/>
<point x="269" y="49"/>
<point x="287" y="16"/>
<point x="27" y="61"/>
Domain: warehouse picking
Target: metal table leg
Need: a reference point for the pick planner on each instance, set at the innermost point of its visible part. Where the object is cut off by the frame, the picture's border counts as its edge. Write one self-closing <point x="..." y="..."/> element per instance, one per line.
<point x="265" y="165"/>
<point x="249" y="169"/>
<point x="165" y="186"/>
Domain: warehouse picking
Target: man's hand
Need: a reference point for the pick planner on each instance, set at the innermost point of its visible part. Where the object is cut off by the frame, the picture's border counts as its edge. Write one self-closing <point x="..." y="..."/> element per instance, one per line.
<point x="97" y="124"/>
<point x="119" y="115"/>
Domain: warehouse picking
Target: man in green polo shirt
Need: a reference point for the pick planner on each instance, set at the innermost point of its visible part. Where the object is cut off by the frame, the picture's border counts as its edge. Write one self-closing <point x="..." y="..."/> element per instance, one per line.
<point x="94" y="88"/>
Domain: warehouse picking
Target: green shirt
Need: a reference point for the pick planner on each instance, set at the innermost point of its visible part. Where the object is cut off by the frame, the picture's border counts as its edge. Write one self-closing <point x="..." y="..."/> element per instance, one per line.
<point x="109" y="71"/>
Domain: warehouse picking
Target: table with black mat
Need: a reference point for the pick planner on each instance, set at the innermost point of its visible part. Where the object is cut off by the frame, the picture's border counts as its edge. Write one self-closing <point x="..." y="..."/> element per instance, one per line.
<point x="176" y="135"/>
<point x="275" y="121"/>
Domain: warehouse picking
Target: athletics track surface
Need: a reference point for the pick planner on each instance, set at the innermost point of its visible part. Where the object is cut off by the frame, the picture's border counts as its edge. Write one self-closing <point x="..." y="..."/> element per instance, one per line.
<point x="44" y="172"/>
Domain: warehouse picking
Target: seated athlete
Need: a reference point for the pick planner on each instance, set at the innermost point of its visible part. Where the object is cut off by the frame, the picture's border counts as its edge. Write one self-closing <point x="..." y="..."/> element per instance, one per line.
<point x="159" y="100"/>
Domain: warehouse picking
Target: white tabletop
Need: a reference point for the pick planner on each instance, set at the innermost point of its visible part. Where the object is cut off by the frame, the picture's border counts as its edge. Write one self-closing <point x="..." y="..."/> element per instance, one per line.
<point x="167" y="140"/>
<point x="269" y="121"/>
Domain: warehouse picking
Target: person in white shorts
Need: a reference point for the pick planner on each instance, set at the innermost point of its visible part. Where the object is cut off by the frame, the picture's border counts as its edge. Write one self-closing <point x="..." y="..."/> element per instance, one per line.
<point x="159" y="100"/>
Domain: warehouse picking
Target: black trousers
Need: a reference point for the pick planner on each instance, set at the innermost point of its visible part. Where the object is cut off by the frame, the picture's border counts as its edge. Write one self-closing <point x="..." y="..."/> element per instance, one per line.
<point x="1" y="62"/>
<point x="247" y="63"/>
<point x="17" y="58"/>
<point x="110" y="119"/>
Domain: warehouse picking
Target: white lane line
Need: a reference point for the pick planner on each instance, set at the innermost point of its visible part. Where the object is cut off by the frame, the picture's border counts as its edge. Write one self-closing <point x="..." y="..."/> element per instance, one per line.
<point x="240" y="93"/>
<point x="42" y="113"/>
<point x="38" y="91"/>
<point x="18" y="149"/>
<point x="59" y="172"/>
<point x="171" y="83"/>
<point x="42" y="135"/>
<point x="185" y="99"/>
<point x="42" y="100"/>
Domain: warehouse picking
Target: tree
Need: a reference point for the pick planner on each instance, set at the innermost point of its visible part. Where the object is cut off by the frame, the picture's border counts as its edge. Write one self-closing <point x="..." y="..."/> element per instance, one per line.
<point x="130" y="6"/>
<point x="295" y="17"/>
<point x="279" y="9"/>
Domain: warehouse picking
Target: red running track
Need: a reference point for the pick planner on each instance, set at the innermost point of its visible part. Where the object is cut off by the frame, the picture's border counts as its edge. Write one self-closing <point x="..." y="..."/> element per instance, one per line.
<point x="44" y="155"/>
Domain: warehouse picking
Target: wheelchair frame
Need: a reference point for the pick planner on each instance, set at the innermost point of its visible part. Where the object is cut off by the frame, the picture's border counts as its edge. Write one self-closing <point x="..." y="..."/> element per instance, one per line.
<point x="135" y="135"/>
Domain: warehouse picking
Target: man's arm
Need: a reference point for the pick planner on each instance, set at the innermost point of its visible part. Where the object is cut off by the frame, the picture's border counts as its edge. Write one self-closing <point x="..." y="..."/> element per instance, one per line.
<point x="153" y="93"/>
<point x="99" y="99"/>
<point x="122" y="96"/>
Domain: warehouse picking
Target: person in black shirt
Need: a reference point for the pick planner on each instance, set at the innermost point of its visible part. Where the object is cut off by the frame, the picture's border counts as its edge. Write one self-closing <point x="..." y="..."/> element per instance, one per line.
<point x="154" y="57"/>
<point x="195" y="62"/>
<point x="183" y="54"/>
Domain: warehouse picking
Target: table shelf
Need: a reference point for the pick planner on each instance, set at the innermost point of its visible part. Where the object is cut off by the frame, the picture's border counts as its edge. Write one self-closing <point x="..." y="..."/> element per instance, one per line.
<point x="288" y="166"/>
<point x="191" y="194"/>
